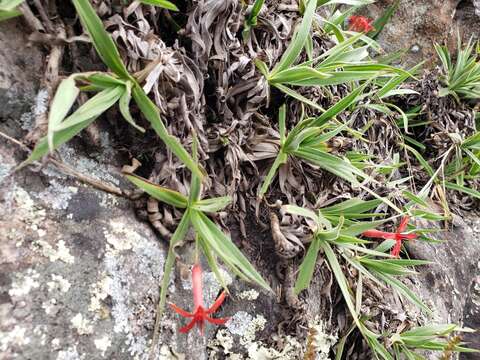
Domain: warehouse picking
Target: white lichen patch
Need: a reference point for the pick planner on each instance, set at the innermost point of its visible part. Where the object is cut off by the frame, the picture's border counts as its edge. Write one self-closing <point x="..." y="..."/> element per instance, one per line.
<point x="16" y="336"/>
<point x="7" y="164"/>
<point x="108" y="200"/>
<point x="70" y="353"/>
<point x="323" y="341"/>
<point x="57" y="195"/>
<point x="291" y="351"/>
<point x="103" y="344"/>
<point x="82" y="325"/>
<point x="50" y="306"/>
<point x="40" y="332"/>
<point x="58" y="283"/>
<point x="62" y="253"/>
<point x="166" y="353"/>
<point x="99" y="291"/>
<point x="120" y="237"/>
<point x="245" y="326"/>
<point x="24" y="284"/>
<point x="238" y="323"/>
<point x="249" y="295"/>
<point x="26" y="209"/>
<point x="55" y="344"/>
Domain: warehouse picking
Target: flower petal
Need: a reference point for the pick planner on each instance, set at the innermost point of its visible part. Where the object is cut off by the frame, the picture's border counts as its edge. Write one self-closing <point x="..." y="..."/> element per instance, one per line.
<point x="396" y="249"/>
<point x="218" y="321"/>
<point x="403" y="224"/>
<point x="188" y="327"/>
<point x="180" y="311"/>
<point x="378" y="234"/>
<point x="217" y="303"/>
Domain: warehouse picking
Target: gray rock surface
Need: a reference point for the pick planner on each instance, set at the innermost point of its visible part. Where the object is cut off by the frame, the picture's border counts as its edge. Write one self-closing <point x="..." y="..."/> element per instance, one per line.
<point x="79" y="273"/>
<point x="417" y="25"/>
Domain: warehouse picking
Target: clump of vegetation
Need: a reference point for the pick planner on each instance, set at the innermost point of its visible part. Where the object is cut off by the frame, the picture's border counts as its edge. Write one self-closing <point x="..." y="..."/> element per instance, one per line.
<point x="328" y="87"/>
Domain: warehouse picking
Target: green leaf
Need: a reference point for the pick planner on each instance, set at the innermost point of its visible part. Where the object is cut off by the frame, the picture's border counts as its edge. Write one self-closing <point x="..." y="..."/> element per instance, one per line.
<point x="212" y="205"/>
<point x="281" y="124"/>
<point x="161" y="3"/>
<point x="340" y="277"/>
<point x="340" y="106"/>
<point x="8" y="5"/>
<point x="305" y="272"/>
<point x="382" y="20"/>
<point x="331" y="163"/>
<point x="386" y="267"/>
<point x="160" y="193"/>
<point x="104" y="80"/>
<point x="403" y="290"/>
<point x="360" y="227"/>
<point x="9" y="14"/>
<point x="279" y="160"/>
<point x="463" y="189"/>
<point x="124" y="105"/>
<point x="196" y="183"/>
<point x="176" y="238"/>
<point x="65" y="96"/>
<point x="297" y="210"/>
<point x="298" y="40"/>
<point x="151" y="113"/>
<point x="349" y="206"/>
<point x="426" y="166"/>
<point x="93" y="108"/>
<point x="472" y="142"/>
<point x="298" y="96"/>
<point x="225" y="248"/>
<point x="297" y="73"/>
<point x="41" y="148"/>
<point x="102" y="41"/>
<point x="212" y="263"/>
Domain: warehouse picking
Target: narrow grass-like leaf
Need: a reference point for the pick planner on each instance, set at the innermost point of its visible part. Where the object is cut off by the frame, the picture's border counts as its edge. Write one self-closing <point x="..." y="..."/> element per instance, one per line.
<point x="67" y="93"/>
<point x="426" y="166"/>
<point x="281" y="124"/>
<point x="463" y="189"/>
<point x="124" y="105"/>
<point x="340" y="106"/>
<point x="298" y="96"/>
<point x="161" y="193"/>
<point x="298" y="40"/>
<point x="212" y="263"/>
<point x="224" y="247"/>
<point x="403" y="290"/>
<point x="340" y="277"/>
<point x="102" y="41"/>
<point x="297" y="210"/>
<point x="279" y="160"/>
<point x="382" y="20"/>
<point x="9" y="14"/>
<point x="212" y="205"/>
<point x="151" y="113"/>
<point x="176" y="238"/>
<point x="161" y="3"/>
<point x="305" y="272"/>
<point x="93" y="108"/>
<point x="331" y="163"/>
<point x="41" y="148"/>
<point x="296" y="73"/>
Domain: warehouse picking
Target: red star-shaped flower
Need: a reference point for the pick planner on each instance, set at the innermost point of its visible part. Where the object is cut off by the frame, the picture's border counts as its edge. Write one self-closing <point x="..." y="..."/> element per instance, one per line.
<point x="200" y="314"/>
<point x="398" y="236"/>
<point x="360" y="24"/>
